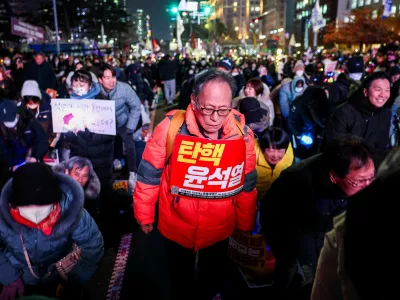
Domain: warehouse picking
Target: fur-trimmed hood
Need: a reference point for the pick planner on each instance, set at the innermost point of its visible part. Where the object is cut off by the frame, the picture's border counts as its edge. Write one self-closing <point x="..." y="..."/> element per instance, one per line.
<point x="92" y="188"/>
<point x="71" y="207"/>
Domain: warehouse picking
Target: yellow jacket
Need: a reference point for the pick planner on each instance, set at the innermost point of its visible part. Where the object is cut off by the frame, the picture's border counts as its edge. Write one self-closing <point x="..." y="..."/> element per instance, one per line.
<point x="265" y="174"/>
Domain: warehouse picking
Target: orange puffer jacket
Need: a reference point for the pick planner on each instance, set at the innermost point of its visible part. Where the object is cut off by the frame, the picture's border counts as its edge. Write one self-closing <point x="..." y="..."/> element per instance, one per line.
<point x="193" y="223"/>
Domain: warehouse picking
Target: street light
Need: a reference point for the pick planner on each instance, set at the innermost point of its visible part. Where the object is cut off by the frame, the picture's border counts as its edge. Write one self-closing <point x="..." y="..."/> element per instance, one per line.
<point x="236" y="28"/>
<point x="207" y="10"/>
<point x="174" y="9"/>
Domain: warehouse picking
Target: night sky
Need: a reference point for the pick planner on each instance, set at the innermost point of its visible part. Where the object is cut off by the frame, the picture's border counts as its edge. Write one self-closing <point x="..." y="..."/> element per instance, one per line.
<point x="158" y="15"/>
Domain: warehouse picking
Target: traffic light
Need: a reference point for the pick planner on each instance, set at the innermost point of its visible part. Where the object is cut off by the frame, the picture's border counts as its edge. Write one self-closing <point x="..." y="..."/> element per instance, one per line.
<point x="207" y="10"/>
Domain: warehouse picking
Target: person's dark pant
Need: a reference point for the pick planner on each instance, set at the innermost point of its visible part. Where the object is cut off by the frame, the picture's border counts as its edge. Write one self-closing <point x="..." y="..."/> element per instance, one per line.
<point x="210" y="273"/>
<point x="130" y="149"/>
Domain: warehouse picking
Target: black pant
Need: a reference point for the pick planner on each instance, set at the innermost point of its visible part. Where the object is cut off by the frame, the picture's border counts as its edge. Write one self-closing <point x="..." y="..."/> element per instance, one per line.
<point x="210" y="273"/>
<point x="127" y="139"/>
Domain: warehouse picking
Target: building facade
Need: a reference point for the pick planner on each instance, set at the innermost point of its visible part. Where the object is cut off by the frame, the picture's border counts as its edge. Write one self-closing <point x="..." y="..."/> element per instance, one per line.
<point x="139" y="21"/>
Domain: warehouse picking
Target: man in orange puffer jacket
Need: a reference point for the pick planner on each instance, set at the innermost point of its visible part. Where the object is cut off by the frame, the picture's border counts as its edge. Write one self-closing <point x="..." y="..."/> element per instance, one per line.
<point x="195" y="221"/>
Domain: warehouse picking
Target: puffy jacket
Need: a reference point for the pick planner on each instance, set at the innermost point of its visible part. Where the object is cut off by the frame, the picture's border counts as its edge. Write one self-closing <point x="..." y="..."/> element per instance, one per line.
<point x="43" y="74"/>
<point x="358" y="117"/>
<point x="127" y="104"/>
<point x="189" y="222"/>
<point x="75" y="225"/>
<point x="265" y="174"/>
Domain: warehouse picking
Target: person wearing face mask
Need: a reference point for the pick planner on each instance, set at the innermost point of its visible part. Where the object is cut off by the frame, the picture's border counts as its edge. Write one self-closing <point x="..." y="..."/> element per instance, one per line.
<point x="7" y="87"/>
<point x="365" y="114"/>
<point x="22" y="138"/>
<point x="98" y="148"/>
<point x="239" y="79"/>
<point x="6" y="63"/>
<point x="42" y="217"/>
<point x="289" y="92"/>
<point x="298" y="69"/>
<point x="38" y="103"/>
<point x="78" y="66"/>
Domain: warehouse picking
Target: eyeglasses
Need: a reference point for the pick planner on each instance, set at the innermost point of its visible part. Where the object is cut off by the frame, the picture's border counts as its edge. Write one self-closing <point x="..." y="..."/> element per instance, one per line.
<point x="360" y="182"/>
<point x="210" y="111"/>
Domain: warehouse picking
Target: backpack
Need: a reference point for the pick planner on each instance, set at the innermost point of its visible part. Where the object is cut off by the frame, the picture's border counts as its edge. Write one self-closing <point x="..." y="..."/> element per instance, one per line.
<point x="175" y="127"/>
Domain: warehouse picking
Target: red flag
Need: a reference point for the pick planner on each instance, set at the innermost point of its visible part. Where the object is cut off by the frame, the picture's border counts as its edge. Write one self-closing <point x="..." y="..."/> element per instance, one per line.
<point x="192" y="40"/>
<point x="156" y="48"/>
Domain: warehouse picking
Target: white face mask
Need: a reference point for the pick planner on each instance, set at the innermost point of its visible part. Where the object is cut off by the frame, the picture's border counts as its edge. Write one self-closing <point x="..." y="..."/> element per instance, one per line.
<point x="34" y="213"/>
<point x="299" y="73"/>
<point x="7" y="62"/>
<point x="203" y="62"/>
<point x="79" y="91"/>
<point x="76" y="61"/>
<point x="33" y="105"/>
<point x="11" y="124"/>
<point x="299" y="89"/>
<point x="235" y="73"/>
<point x="355" y="76"/>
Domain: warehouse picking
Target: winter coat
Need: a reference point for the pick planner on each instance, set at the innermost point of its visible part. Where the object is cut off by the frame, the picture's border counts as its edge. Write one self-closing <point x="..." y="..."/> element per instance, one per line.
<point x="92" y="188"/>
<point x="287" y="94"/>
<point x="267" y="175"/>
<point x="193" y="223"/>
<point x="341" y="90"/>
<point x="167" y="70"/>
<point x="75" y="225"/>
<point x="331" y="280"/>
<point x="43" y="74"/>
<point x="15" y="150"/>
<point x="358" y="117"/>
<point x="98" y="148"/>
<point x="127" y="105"/>
<point x="301" y="200"/>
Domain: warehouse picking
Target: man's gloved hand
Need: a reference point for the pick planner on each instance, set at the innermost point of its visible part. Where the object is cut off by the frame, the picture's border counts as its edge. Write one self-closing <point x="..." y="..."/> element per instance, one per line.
<point x="11" y="291"/>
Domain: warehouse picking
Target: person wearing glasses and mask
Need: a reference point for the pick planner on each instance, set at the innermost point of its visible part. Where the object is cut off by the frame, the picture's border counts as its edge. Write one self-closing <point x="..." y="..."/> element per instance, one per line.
<point x="299" y="208"/>
<point x="211" y="190"/>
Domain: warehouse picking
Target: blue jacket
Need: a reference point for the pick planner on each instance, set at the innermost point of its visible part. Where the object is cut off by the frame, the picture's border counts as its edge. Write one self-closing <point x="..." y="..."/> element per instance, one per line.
<point x="287" y="94"/>
<point x="127" y="104"/>
<point x="75" y="225"/>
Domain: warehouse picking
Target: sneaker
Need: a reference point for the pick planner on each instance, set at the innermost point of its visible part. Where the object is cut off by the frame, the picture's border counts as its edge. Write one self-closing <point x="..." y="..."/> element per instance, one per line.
<point x="117" y="165"/>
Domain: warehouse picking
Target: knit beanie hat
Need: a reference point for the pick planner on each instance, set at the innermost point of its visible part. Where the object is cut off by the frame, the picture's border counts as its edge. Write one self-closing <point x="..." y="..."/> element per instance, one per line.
<point x="31" y="88"/>
<point x="251" y="109"/>
<point x="35" y="184"/>
<point x="355" y="64"/>
<point x="298" y="66"/>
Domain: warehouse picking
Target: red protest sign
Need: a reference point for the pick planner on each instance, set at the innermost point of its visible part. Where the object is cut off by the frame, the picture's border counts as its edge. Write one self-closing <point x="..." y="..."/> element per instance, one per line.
<point x="210" y="169"/>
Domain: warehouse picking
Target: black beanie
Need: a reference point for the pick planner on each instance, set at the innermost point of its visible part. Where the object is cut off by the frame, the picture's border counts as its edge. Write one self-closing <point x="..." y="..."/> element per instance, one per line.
<point x="35" y="184"/>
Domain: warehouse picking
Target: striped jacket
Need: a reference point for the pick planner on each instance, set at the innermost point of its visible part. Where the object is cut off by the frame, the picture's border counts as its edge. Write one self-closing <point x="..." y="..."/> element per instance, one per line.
<point x="193" y="223"/>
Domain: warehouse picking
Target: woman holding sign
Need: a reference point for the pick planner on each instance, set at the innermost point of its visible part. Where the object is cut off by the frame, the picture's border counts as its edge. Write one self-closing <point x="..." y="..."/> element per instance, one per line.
<point x="98" y="148"/>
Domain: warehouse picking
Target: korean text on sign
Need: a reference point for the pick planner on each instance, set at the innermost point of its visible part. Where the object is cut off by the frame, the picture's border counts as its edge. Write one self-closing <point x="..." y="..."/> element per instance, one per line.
<point x="207" y="169"/>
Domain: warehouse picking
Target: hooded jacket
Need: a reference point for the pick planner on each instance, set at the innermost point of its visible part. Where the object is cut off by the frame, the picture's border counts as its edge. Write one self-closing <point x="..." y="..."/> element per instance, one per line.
<point x="127" y="104"/>
<point x="288" y="93"/>
<point x="267" y="175"/>
<point x="193" y="223"/>
<point x="75" y="225"/>
<point x="92" y="188"/>
<point x="360" y="118"/>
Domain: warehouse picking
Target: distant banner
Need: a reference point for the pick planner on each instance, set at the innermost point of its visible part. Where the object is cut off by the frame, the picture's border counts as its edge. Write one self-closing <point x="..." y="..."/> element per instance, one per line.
<point x="387" y="9"/>
<point x="98" y="116"/>
<point x="210" y="169"/>
<point x="27" y="30"/>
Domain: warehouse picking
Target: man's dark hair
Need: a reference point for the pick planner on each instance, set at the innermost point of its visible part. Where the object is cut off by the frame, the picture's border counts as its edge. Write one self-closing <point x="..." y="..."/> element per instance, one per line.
<point x="213" y="75"/>
<point x="104" y="68"/>
<point x="40" y="53"/>
<point x="275" y="138"/>
<point x="83" y="76"/>
<point x="375" y="76"/>
<point x="347" y="153"/>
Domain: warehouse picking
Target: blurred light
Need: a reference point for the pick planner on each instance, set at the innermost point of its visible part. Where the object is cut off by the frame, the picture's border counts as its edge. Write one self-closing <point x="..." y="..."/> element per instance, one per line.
<point x="236" y="28"/>
<point x="306" y="140"/>
<point x="174" y="9"/>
